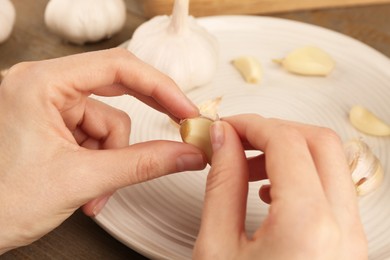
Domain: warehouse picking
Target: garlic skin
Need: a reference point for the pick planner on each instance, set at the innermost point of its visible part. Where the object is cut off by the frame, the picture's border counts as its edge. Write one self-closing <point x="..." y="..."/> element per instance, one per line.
<point x="365" y="121"/>
<point x="7" y="19"/>
<point x="81" y="21"/>
<point x="308" y="61"/>
<point x="196" y="131"/>
<point x="177" y="46"/>
<point x="366" y="169"/>
<point x="209" y="108"/>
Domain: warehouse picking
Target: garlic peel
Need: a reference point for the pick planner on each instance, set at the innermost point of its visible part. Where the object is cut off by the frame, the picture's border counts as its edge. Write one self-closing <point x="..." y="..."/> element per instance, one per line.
<point x="366" y="169"/>
<point x="367" y="122"/>
<point x="7" y="19"/>
<point x="250" y="68"/>
<point x="196" y="131"/>
<point x="85" y="20"/>
<point x="308" y="61"/>
<point x="177" y="46"/>
<point x="209" y="108"/>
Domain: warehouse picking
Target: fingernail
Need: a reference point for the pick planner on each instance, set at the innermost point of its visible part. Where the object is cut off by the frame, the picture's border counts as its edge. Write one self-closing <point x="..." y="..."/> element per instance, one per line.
<point x="189" y="162"/>
<point x="217" y="135"/>
<point x="100" y="205"/>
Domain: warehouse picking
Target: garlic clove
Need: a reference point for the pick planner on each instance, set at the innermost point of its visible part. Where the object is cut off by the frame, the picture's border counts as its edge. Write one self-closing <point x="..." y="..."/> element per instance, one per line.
<point x="366" y="169"/>
<point x="308" y="61"/>
<point x="250" y="68"/>
<point x="196" y="131"/>
<point x="367" y="122"/>
<point x="7" y="19"/>
<point x="85" y="20"/>
<point x="177" y="46"/>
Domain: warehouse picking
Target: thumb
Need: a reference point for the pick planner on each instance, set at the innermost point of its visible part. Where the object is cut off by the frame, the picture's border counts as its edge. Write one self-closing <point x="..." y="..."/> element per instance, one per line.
<point x="101" y="172"/>
<point x="227" y="186"/>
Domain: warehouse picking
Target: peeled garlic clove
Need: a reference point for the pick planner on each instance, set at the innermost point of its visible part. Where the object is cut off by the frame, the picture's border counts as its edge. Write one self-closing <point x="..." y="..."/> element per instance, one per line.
<point x="7" y="19"/>
<point x="365" y="167"/>
<point x="196" y="131"/>
<point x="178" y="46"/>
<point x="368" y="123"/>
<point x="308" y="61"/>
<point x="250" y="68"/>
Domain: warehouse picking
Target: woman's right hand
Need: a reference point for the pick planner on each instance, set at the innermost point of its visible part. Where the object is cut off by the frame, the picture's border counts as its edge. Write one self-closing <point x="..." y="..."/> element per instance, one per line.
<point x="313" y="211"/>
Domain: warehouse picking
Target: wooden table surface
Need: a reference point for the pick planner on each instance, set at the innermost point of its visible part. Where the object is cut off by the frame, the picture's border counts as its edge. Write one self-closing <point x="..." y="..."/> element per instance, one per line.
<point x="80" y="237"/>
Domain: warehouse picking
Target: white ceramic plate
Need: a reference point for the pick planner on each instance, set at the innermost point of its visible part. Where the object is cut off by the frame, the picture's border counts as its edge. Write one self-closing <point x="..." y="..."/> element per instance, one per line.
<point x="160" y="219"/>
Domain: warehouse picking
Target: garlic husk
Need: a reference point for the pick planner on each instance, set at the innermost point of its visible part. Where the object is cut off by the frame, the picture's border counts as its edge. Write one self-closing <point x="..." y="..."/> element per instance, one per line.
<point x="177" y="46"/>
<point x="196" y="131"/>
<point x="209" y="108"/>
<point x="7" y="19"/>
<point x="367" y="122"/>
<point x="308" y="61"/>
<point x="366" y="169"/>
<point x="81" y="21"/>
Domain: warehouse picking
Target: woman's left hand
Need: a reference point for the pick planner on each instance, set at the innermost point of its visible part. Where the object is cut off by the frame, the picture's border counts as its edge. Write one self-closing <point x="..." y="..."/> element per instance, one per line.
<point x="61" y="149"/>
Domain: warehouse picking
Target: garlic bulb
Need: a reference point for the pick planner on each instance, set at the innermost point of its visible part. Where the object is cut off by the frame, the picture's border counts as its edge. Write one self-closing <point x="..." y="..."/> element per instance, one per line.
<point x="366" y="169"/>
<point x="178" y="47"/>
<point x="7" y="19"/>
<point x="81" y="21"/>
<point x="308" y="61"/>
<point x="368" y="123"/>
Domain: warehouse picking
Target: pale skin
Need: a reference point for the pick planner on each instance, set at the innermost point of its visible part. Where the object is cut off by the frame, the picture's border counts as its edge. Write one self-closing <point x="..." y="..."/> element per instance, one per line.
<point x="313" y="211"/>
<point x="62" y="150"/>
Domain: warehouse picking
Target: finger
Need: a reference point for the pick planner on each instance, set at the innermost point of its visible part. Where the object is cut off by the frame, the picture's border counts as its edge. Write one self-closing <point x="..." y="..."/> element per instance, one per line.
<point x="101" y="126"/>
<point x="227" y="187"/>
<point x="285" y="148"/>
<point x="335" y="176"/>
<point x="112" y="72"/>
<point x="265" y="193"/>
<point x="257" y="169"/>
<point x="109" y="170"/>
<point x="324" y="145"/>
<point x="93" y="207"/>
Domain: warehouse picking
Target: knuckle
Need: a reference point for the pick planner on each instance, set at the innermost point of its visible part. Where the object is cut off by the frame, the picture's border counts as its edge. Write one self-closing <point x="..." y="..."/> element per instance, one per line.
<point x="146" y="168"/>
<point x="123" y="122"/>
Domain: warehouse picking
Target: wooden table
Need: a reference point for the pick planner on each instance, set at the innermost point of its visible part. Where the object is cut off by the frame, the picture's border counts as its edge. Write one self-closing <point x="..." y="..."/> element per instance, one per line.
<point x="80" y="237"/>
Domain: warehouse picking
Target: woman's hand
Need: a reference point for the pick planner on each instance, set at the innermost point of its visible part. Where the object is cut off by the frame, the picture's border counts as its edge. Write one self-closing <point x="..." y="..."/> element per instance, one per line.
<point x="313" y="210"/>
<point x="60" y="149"/>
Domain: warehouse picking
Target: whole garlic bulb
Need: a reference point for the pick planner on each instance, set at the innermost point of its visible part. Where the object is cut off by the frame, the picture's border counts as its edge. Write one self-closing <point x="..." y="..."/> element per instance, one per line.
<point x="7" y="19"/>
<point x="81" y="21"/>
<point x="178" y="47"/>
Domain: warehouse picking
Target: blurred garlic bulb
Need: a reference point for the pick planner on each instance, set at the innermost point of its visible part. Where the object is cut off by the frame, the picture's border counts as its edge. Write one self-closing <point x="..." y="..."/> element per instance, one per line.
<point x="7" y="19"/>
<point x="366" y="169"/>
<point x="81" y="21"/>
<point x="178" y="47"/>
